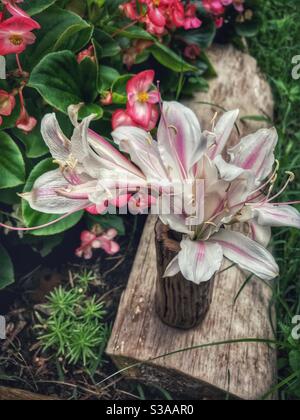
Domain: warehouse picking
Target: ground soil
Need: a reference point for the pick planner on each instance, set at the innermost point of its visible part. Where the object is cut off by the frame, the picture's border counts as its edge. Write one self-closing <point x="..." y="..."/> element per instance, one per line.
<point x="22" y="364"/>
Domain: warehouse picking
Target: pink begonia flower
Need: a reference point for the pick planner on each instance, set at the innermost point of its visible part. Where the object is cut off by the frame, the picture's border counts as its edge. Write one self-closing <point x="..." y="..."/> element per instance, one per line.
<point x="102" y="208"/>
<point x="192" y="51"/>
<point x="130" y="10"/>
<point x="89" y="52"/>
<point x="141" y="99"/>
<point x="162" y="15"/>
<point x="107" y="99"/>
<point x="138" y="46"/>
<point x="91" y="241"/>
<point x="190" y="19"/>
<point x="25" y="122"/>
<point x="15" y="35"/>
<point x="7" y="104"/>
<point x="218" y="7"/>
<point x="10" y="6"/>
<point x="122" y="118"/>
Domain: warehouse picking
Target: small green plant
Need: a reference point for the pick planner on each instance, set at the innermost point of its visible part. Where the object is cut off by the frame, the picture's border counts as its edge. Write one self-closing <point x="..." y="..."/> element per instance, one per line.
<point x="74" y="328"/>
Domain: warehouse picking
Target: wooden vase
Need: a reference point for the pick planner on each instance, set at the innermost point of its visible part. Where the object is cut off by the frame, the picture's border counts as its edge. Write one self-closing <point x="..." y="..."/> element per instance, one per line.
<point x="179" y="303"/>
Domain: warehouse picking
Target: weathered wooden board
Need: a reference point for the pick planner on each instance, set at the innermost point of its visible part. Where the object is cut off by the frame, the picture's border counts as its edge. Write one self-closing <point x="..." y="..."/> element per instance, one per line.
<point x="13" y="394"/>
<point x="244" y="370"/>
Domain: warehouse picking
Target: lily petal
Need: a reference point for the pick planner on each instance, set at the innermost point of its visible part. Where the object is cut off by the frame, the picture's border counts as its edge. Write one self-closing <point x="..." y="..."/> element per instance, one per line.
<point x="173" y="268"/>
<point x="45" y="198"/>
<point x="179" y="139"/>
<point x="207" y="170"/>
<point x="110" y="154"/>
<point x="199" y="261"/>
<point x="59" y="145"/>
<point x="143" y="151"/>
<point x="176" y="223"/>
<point x="259" y="233"/>
<point x="229" y="172"/>
<point x="222" y="132"/>
<point x="256" y="153"/>
<point x="247" y="254"/>
<point x="273" y="215"/>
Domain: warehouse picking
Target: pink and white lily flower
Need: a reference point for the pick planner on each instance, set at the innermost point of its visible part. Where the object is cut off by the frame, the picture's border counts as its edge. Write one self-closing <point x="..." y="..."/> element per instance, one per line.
<point x="229" y="188"/>
<point x="90" y="171"/>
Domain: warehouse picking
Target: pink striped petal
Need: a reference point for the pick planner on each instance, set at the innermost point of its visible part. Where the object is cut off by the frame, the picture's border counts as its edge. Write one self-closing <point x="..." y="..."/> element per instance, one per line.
<point x="247" y="254"/>
<point x="143" y="151"/>
<point x="179" y="140"/>
<point x="277" y="215"/>
<point x="259" y="233"/>
<point x="222" y="132"/>
<point x="199" y="261"/>
<point x="256" y="153"/>
<point x="45" y="198"/>
<point x="108" y="152"/>
<point x="59" y="145"/>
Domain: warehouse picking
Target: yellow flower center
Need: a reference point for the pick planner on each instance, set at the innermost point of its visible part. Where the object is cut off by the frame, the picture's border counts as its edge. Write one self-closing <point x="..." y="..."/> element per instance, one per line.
<point x="143" y="97"/>
<point x="156" y="3"/>
<point x="3" y="103"/>
<point x="16" y="39"/>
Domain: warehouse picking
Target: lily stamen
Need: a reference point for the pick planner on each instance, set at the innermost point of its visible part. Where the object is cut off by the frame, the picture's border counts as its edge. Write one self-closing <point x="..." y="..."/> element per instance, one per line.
<point x="290" y="179"/>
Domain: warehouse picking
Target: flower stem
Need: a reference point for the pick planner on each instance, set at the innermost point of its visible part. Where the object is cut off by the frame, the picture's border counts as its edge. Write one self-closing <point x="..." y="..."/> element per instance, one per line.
<point x="19" y="64"/>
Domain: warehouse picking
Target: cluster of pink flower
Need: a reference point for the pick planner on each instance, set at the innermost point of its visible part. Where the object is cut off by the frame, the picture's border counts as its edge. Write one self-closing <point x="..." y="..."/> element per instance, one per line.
<point x="15" y="34"/>
<point x="218" y="7"/>
<point x="142" y="110"/>
<point x="97" y="239"/>
<point x="162" y="15"/>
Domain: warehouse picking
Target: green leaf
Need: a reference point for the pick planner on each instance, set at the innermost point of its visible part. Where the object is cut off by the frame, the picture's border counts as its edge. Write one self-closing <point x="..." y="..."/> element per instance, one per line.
<point x="107" y="76"/>
<point x="90" y="109"/>
<point x="259" y="118"/>
<point x="135" y="32"/>
<point x="12" y="167"/>
<point x="294" y="359"/>
<point x="109" y="47"/>
<point x="203" y="37"/>
<point x="60" y="29"/>
<point x="168" y="58"/>
<point x="249" y="28"/>
<point x="33" y="7"/>
<point x="35" y="146"/>
<point x="10" y="196"/>
<point x="74" y="38"/>
<point x="7" y="276"/>
<point x="88" y="72"/>
<point x="210" y="70"/>
<point x="119" y="89"/>
<point x="33" y="218"/>
<point x="62" y="82"/>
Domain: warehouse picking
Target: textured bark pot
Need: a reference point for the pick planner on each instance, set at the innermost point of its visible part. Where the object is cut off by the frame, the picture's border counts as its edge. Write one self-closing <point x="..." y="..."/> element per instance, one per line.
<point x="179" y="302"/>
